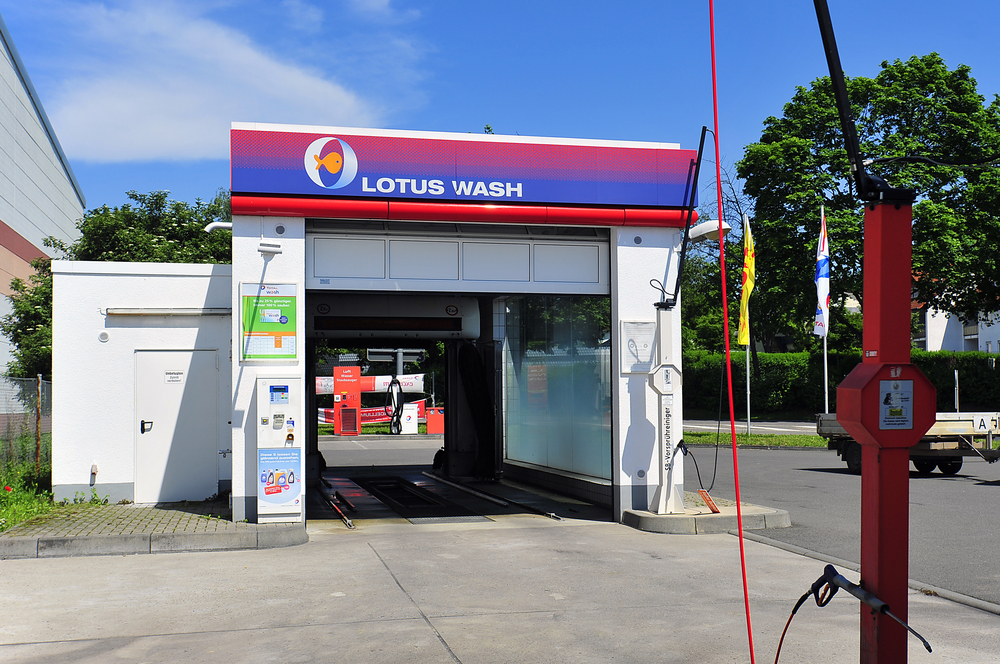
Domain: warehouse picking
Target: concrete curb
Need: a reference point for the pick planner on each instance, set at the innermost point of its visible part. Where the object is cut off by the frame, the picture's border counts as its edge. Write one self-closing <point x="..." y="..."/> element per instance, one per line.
<point x="919" y="586"/>
<point x="111" y="545"/>
<point x="754" y="518"/>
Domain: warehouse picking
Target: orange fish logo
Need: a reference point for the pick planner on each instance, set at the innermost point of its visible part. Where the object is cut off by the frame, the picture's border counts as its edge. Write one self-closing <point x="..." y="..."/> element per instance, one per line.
<point x="341" y="165"/>
<point x="333" y="162"/>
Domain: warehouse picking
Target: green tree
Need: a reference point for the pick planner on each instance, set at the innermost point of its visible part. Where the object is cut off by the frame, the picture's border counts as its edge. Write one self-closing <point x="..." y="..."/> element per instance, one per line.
<point x="916" y="108"/>
<point x="153" y="229"/>
<point x="701" y="304"/>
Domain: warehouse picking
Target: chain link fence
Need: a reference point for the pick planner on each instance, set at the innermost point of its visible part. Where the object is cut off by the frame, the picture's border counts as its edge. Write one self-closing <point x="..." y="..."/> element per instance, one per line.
<point x="25" y="421"/>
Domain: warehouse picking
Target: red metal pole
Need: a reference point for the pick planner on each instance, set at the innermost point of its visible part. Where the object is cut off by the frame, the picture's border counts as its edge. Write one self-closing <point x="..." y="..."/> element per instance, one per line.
<point x="887" y="405"/>
<point x="887" y="283"/>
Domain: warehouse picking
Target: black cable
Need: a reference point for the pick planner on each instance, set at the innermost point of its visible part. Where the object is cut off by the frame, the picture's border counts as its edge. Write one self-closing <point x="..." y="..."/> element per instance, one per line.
<point x="823" y="591"/>
<point x="718" y="438"/>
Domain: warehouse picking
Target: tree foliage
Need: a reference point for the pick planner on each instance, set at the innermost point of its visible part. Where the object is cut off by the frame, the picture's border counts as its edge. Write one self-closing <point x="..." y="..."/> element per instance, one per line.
<point x="914" y="108"/>
<point x="151" y="229"/>
<point x="154" y="230"/>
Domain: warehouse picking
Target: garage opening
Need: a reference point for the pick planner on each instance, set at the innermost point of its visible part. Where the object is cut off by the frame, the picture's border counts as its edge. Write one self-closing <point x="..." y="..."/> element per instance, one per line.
<point x="522" y="383"/>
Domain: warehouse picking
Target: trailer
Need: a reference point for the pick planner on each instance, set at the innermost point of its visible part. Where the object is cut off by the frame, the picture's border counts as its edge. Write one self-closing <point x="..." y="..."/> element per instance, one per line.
<point x="952" y="437"/>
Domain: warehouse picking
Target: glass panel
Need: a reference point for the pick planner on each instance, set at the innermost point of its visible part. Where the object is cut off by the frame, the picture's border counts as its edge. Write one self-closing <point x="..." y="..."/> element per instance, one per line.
<point x="557" y="365"/>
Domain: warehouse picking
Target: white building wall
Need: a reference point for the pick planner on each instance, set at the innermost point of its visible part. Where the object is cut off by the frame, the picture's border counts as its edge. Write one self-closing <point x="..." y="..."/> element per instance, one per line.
<point x="93" y="393"/>
<point x="39" y="196"/>
<point x="989" y="337"/>
<point x="252" y="267"/>
<point x="944" y="331"/>
<point x="638" y="255"/>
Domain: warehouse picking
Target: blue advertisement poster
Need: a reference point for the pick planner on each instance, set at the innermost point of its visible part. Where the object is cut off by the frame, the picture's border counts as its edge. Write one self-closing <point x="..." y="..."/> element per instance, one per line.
<point x="279" y="485"/>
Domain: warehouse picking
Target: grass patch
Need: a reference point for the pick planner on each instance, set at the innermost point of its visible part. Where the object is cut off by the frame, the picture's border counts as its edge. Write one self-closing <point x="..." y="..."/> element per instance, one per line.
<point x="23" y="493"/>
<point x="754" y="439"/>
<point x="377" y="429"/>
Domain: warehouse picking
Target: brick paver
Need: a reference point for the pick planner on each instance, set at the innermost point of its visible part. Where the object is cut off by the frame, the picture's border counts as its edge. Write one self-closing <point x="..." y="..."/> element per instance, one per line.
<point x="106" y="520"/>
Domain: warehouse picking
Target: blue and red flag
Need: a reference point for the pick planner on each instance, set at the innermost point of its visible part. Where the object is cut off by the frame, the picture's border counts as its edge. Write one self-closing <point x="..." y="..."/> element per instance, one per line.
<point x="822" y="280"/>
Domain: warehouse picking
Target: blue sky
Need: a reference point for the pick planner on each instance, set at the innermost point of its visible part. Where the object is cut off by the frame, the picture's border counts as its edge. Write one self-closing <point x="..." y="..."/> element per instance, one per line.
<point x="142" y="93"/>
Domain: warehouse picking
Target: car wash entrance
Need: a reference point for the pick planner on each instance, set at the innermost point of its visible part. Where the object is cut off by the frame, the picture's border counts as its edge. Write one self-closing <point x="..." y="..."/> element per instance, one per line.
<point x="528" y="259"/>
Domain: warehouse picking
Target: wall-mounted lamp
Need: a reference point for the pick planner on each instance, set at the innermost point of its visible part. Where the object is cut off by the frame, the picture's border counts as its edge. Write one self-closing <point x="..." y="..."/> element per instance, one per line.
<point x="269" y="248"/>
<point x="708" y="230"/>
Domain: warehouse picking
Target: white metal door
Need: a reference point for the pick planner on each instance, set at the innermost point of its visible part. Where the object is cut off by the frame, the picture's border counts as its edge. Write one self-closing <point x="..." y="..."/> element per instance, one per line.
<point x="176" y="425"/>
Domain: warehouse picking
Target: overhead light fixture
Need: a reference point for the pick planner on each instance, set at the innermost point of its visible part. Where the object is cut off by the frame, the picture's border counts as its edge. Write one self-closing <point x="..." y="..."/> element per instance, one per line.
<point x="708" y="230"/>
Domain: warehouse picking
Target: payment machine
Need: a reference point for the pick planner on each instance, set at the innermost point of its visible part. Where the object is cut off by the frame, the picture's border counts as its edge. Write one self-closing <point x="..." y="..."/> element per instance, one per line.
<point x="280" y="463"/>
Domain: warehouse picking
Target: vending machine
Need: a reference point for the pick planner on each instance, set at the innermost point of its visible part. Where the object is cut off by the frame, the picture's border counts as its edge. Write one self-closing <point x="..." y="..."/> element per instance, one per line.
<point x="280" y="459"/>
<point x="347" y="401"/>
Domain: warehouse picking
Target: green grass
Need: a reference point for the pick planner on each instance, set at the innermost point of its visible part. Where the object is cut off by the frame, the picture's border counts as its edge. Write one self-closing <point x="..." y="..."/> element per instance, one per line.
<point x="378" y="429"/>
<point x="23" y="494"/>
<point x="753" y="440"/>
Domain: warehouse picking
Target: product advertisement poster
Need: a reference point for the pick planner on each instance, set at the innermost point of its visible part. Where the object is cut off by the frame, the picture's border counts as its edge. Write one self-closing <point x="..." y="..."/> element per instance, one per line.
<point x="279" y="487"/>
<point x="268" y="321"/>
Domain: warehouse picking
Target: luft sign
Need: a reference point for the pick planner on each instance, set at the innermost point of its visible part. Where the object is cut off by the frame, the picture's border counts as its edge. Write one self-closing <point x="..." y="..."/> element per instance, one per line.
<point x="365" y="163"/>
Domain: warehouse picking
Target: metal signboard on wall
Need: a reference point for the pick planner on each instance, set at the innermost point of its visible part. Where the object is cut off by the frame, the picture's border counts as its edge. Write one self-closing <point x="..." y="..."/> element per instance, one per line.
<point x="268" y="321"/>
<point x="386" y="164"/>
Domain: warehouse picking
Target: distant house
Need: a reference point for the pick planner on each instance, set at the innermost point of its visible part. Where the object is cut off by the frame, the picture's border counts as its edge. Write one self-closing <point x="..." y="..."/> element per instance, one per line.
<point x="39" y="195"/>
<point x="939" y="330"/>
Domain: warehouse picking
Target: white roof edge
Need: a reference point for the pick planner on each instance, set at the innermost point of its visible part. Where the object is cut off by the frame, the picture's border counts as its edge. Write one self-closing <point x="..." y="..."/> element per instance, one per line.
<point x="452" y="136"/>
<point x="138" y="269"/>
<point x="22" y="73"/>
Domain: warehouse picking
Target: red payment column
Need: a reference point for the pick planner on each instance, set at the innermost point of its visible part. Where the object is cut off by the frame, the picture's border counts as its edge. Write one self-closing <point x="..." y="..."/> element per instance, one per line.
<point x="887" y="405"/>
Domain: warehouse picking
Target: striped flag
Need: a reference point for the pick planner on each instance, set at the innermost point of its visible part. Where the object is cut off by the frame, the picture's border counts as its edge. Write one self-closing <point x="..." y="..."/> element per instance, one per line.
<point x="749" y="270"/>
<point x="822" y="324"/>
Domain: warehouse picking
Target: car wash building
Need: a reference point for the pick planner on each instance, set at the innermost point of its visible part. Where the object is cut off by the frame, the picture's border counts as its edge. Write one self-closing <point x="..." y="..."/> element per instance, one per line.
<point x="529" y="258"/>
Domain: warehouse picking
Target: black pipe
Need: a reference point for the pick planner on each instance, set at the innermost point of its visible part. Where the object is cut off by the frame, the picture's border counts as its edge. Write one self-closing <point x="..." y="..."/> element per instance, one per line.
<point x="870" y="187"/>
<point x="671" y="302"/>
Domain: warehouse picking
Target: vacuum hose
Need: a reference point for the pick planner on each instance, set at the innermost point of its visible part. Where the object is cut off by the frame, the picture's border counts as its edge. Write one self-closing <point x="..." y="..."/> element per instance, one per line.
<point x="394" y="406"/>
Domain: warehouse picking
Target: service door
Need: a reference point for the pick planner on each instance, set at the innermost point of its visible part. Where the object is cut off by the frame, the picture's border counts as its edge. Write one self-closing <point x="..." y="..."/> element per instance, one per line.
<point x="176" y="425"/>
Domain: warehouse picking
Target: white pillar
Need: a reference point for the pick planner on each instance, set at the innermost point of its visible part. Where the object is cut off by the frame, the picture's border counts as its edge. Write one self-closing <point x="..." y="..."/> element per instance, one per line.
<point x="639" y="254"/>
<point x="665" y="379"/>
<point x="250" y="266"/>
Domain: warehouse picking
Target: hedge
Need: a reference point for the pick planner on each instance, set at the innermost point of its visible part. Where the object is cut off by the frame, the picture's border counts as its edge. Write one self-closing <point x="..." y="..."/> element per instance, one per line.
<point x="794" y="381"/>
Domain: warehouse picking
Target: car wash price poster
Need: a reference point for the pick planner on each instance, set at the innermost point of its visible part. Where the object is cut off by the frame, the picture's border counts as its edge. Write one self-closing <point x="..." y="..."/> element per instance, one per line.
<point x="280" y="485"/>
<point x="269" y="323"/>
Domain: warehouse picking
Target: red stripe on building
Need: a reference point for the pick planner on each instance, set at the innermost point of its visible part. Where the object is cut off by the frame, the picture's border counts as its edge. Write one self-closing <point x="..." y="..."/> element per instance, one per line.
<point x="277" y="206"/>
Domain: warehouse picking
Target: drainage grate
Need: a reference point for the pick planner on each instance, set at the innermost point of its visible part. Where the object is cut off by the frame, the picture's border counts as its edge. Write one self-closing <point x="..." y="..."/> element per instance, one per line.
<point x="414" y="502"/>
<point x="474" y="518"/>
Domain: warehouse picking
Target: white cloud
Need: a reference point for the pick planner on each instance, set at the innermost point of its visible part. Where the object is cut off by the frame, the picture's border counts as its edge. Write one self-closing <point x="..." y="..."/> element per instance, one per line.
<point x="383" y="10"/>
<point x="303" y="16"/>
<point x="158" y="81"/>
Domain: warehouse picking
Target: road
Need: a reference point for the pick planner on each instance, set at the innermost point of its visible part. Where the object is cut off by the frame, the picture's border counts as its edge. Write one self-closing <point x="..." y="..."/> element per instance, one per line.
<point x="954" y="521"/>
<point x="781" y="428"/>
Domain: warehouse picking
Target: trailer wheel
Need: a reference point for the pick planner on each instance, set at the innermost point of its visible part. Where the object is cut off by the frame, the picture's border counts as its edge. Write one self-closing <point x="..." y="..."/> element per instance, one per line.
<point x="852" y="457"/>
<point x="950" y="466"/>
<point x="925" y="467"/>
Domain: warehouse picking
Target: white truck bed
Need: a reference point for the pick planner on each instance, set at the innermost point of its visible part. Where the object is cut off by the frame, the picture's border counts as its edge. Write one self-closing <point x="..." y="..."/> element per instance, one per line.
<point x="953" y="436"/>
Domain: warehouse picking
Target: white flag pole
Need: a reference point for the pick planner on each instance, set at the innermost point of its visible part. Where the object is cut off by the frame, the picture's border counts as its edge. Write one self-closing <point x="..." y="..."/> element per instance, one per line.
<point x="746" y="227"/>
<point x="826" y="381"/>
<point x="826" y="378"/>
<point x="822" y="326"/>
<point x="748" y="388"/>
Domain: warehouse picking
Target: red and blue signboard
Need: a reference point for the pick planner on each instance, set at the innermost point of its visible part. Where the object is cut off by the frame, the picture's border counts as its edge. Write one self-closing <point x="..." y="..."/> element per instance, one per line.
<point x="360" y="163"/>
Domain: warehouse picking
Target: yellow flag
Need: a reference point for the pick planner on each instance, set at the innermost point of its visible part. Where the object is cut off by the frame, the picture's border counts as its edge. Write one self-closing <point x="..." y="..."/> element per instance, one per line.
<point x="749" y="268"/>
